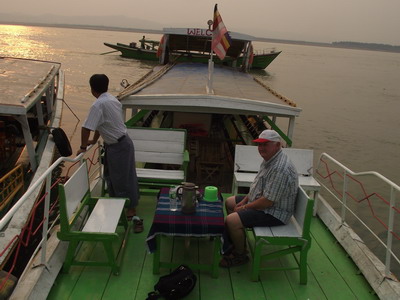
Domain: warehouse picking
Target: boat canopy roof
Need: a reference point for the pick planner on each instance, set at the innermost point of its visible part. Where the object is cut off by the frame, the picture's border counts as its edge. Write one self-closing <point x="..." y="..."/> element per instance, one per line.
<point x="183" y="87"/>
<point x="23" y="82"/>
<point x="198" y="39"/>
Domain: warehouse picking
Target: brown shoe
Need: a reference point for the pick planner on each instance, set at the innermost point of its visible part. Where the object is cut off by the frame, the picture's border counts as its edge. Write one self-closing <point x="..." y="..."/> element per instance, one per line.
<point x="233" y="259"/>
<point x="138" y="226"/>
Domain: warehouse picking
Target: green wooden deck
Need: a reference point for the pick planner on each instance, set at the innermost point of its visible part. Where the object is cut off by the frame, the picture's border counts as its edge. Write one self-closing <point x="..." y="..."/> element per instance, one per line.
<point x="331" y="273"/>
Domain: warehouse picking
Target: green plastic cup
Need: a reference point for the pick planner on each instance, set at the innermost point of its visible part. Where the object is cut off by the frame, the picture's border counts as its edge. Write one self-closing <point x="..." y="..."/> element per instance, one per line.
<point x="211" y="193"/>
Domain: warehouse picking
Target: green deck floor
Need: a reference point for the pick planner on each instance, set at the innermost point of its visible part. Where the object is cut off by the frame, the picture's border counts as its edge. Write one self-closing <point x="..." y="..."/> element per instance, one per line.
<point x="331" y="273"/>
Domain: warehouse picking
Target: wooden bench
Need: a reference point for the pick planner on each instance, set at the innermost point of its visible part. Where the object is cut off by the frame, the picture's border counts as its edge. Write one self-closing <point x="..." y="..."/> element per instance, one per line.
<point x="295" y="236"/>
<point x="161" y="157"/>
<point x="104" y="215"/>
<point x="248" y="161"/>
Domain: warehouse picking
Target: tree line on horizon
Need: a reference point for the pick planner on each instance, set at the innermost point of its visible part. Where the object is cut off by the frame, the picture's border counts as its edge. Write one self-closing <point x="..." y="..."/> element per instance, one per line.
<point x="367" y="46"/>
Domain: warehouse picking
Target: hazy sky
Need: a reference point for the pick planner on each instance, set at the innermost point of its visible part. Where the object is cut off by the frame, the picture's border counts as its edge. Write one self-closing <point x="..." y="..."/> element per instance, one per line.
<point x="373" y="21"/>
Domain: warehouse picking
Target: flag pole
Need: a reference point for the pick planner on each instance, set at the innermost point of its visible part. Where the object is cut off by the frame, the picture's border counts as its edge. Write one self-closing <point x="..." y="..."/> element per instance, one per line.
<point x="210" y="63"/>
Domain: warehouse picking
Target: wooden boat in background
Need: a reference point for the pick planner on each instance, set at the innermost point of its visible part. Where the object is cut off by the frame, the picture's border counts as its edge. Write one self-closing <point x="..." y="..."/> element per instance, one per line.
<point x="31" y="101"/>
<point x="148" y="51"/>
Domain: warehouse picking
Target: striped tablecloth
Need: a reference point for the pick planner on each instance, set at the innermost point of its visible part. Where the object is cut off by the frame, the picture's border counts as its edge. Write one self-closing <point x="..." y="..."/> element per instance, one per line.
<point x="207" y="221"/>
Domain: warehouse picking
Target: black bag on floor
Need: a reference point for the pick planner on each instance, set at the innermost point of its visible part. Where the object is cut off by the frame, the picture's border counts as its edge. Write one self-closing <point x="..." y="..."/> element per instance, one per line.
<point x="175" y="285"/>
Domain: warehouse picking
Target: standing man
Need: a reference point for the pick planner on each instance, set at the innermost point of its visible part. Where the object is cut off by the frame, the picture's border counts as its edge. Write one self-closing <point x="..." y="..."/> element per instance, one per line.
<point x="270" y="201"/>
<point x="106" y="120"/>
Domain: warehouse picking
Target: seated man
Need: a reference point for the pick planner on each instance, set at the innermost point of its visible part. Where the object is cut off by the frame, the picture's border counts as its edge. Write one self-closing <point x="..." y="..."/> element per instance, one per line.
<point x="270" y="201"/>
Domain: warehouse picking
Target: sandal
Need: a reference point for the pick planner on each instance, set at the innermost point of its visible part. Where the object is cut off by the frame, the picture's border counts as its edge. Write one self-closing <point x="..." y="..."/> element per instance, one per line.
<point x="138" y="225"/>
<point x="233" y="259"/>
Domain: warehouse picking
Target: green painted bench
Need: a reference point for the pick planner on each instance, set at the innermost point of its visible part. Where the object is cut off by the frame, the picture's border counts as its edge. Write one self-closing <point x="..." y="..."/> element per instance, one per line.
<point x="294" y="236"/>
<point x="104" y="215"/>
<point x="161" y="157"/>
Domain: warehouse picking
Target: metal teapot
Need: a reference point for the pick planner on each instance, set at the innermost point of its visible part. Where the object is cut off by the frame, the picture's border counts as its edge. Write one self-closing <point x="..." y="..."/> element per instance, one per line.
<point x="188" y="195"/>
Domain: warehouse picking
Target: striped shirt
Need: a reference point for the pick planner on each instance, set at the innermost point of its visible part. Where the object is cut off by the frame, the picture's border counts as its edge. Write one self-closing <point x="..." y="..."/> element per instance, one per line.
<point x="105" y="116"/>
<point x="277" y="180"/>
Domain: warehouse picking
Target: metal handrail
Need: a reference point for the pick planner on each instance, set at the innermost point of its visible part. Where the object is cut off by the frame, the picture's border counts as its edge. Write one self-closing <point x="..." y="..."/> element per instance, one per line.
<point x="7" y="217"/>
<point x="45" y="177"/>
<point x="349" y="174"/>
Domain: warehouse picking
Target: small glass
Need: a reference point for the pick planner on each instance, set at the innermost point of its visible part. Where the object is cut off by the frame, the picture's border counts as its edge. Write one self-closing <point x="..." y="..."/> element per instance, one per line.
<point x="173" y="200"/>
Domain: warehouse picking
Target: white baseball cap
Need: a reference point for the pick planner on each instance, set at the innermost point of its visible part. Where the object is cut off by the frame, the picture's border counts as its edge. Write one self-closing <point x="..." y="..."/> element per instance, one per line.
<point x="268" y="136"/>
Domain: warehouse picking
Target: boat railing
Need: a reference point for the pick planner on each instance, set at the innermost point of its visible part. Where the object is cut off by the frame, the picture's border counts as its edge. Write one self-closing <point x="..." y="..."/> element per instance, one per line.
<point x="10" y="184"/>
<point x="49" y="188"/>
<point x="265" y="51"/>
<point x="366" y="198"/>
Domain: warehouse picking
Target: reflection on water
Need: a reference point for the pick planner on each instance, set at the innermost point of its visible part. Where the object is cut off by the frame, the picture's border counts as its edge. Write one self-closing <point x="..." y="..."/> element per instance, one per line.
<point x="21" y="41"/>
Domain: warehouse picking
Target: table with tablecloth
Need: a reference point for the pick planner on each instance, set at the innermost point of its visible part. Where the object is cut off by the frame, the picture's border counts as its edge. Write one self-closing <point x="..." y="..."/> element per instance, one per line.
<point x="207" y="221"/>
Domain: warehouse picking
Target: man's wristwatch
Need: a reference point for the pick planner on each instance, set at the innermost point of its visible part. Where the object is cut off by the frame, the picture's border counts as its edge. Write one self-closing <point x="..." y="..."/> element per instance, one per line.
<point x="83" y="148"/>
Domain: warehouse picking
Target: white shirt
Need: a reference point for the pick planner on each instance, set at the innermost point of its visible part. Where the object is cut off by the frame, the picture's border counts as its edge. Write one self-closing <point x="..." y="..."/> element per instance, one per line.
<point x="105" y="116"/>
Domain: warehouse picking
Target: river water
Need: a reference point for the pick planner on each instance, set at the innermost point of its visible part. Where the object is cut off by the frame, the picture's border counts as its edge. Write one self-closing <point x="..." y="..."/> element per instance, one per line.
<point x="350" y="98"/>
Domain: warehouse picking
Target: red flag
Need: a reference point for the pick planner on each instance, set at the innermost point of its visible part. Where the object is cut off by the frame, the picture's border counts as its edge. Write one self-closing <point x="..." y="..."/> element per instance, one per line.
<point x="221" y="40"/>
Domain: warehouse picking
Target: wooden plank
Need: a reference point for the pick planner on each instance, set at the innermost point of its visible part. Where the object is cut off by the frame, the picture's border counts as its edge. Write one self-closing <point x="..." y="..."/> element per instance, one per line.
<point x="245" y="179"/>
<point x="93" y="280"/>
<point x="285" y="284"/>
<point x="105" y="216"/>
<point x="161" y="146"/>
<point x="301" y="207"/>
<point x="309" y="183"/>
<point x="213" y="288"/>
<point x="341" y="261"/>
<point x="302" y="159"/>
<point x="289" y="230"/>
<point x="160" y="174"/>
<point x="242" y="286"/>
<point x="136" y="279"/>
<point x="76" y="188"/>
<point x="156" y="134"/>
<point x="130" y="272"/>
<point x="275" y="283"/>
<point x="247" y="158"/>
<point x="158" y="157"/>
<point x="65" y="283"/>
<point x="370" y="266"/>
<point x="328" y="277"/>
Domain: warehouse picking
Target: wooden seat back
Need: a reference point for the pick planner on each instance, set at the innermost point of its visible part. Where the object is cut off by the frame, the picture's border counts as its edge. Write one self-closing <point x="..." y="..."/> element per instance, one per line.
<point x="302" y="160"/>
<point x="72" y="194"/>
<point x="247" y="159"/>
<point x="303" y="211"/>
<point x="159" y="145"/>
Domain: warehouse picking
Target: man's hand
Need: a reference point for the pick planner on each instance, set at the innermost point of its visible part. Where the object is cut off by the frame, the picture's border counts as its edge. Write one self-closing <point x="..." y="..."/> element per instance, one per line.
<point x="241" y="204"/>
<point x="80" y="151"/>
<point x="239" y="207"/>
